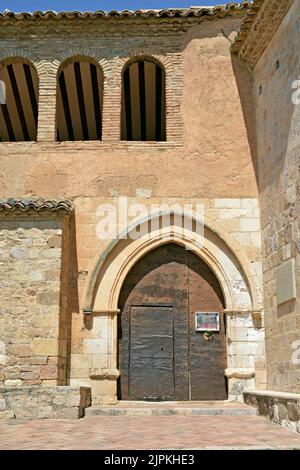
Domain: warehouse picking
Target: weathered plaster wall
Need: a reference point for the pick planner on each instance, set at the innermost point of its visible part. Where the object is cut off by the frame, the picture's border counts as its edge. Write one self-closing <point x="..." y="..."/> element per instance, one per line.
<point x="205" y="129"/>
<point x="278" y="148"/>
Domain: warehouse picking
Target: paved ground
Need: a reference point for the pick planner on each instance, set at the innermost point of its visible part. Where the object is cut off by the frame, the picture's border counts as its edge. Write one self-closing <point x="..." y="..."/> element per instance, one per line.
<point x="148" y="432"/>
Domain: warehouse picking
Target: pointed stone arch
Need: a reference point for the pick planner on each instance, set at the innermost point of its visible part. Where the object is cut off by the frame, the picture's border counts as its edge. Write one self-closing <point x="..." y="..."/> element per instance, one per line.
<point x="216" y="247"/>
<point x="223" y="256"/>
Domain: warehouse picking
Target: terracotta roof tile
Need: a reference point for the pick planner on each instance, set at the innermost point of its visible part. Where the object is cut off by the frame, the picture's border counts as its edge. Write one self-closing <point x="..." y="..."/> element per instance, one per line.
<point x="259" y="26"/>
<point x="247" y="23"/>
<point x="169" y="13"/>
<point x="37" y="205"/>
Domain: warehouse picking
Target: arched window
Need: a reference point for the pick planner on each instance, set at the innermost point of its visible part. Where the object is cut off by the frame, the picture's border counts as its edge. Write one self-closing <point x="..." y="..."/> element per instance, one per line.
<point x="19" y="101"/>
<point x="79" y="101"/>
<point x="143" y="102"/>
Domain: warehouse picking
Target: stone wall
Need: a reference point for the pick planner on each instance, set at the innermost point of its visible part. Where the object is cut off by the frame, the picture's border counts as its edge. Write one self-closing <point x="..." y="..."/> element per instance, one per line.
<point x="277" y="130"/>
<point x="32" y="317"/>
<point x="44" y="402"/>
<point x="281" y="408"/>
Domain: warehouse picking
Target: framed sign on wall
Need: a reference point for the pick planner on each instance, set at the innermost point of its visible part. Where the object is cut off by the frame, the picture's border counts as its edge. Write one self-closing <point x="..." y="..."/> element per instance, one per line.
<point x="207" y="321"/>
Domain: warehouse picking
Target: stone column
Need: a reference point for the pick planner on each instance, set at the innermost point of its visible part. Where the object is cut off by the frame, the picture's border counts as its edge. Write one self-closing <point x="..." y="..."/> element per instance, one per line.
<point x="111" y="113"/>
<point x="245" y="346"/>
<point x="47" y="102"/>
<point x="103" y="372"/>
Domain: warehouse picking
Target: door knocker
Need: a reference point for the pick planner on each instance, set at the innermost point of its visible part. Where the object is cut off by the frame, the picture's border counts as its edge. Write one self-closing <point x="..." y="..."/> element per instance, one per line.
<point x="208" y="335"/>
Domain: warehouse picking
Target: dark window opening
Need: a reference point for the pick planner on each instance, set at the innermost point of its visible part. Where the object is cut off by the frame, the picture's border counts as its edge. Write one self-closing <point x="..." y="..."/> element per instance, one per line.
<point x="143" y="102"/>
<point x="19" y="102"/>
<point x="79" y="102"/>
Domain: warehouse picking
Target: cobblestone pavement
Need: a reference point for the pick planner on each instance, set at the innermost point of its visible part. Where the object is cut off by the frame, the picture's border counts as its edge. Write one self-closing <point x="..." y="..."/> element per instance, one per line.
<point x="157" y="432"/>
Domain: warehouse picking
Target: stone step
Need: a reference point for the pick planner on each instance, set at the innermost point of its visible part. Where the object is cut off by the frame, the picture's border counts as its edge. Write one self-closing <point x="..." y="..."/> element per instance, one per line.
<point x="116" y="410"/>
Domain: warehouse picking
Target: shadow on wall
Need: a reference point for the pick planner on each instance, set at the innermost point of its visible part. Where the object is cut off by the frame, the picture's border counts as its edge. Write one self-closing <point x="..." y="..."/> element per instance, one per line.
<point x="69" y="299"/>
<point x="244" y="83"/>
<point x="272" y="121"/>
<point x="266" y="123"/>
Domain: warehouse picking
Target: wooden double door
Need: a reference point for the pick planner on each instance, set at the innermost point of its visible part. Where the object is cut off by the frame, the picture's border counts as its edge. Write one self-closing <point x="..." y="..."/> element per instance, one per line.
<point x="161" y="356"/>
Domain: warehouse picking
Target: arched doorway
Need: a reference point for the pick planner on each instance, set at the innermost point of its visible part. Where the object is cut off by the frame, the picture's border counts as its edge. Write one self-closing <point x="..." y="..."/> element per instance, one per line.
<point x="160" y="354"/>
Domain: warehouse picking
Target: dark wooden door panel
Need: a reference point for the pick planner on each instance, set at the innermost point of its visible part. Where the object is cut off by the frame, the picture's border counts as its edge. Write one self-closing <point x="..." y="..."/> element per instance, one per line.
<point x="207" y="358"/>
<point x="159" y="279"/>
<point x="151" y="353"/>
<point x="161" y="357"/>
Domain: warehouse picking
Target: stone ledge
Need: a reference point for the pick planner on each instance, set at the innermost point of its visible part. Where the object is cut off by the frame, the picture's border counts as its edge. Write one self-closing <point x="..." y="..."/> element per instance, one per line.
<point x="34" y="402"/>
<point x="280" y="407"/>
<point x="178" y="409"/>
<point x="271" y="394"/>
<point x="104" y="374"/>
<point x="240" y="373"/>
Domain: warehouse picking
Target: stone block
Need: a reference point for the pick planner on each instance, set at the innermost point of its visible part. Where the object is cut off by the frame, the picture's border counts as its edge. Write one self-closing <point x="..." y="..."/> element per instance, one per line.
<point x="45" y="412"/>
<point x="255" y="238"/>
<point x="39" y="402"/>
<point x="293" y="411"/>
<point x="8" y="414"/>
<point x="80" y="373"/>
<point x="47" y="321"/>
<point x="282" y="411"/>
<point x="36" y="276"/>
<point x="39" y="360"/>
<point x="250" y="224"/>
<point x="48" y="298"/>
<point x="49" y="383"/>
<point x="21" y="350"/>
<point x="55" y="242"/>
<point x="235" y="213"/>
<point x="249" y="203"/>
<point x="227" y="203"/>
<point x="100" y="327"/>
<point x="30" y="375"/>
<point x="18" y="253"/>
<point x="286" y="282"/>
<point x="243" y="238"/>
<point x="66" y="413"/>
<point x="260" y="364"/>
<point x="72" y="399"/>
<point x="99" y="361"/>
<point x="48" y="372"/>
<point x="59" y="400"/>
<point x="260" y="379"/>
<point x="95" y="346"/>
<point x="80" y="361"/>
<point x="13" y="383"/>
<point x="45" y="347"/>
<point x="231" y="225"/>
<point x="255" y="334"/>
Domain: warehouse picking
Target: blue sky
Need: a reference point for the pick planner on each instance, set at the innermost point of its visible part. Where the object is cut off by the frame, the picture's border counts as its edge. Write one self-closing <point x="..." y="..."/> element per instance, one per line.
<point x="59" y="5"/>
